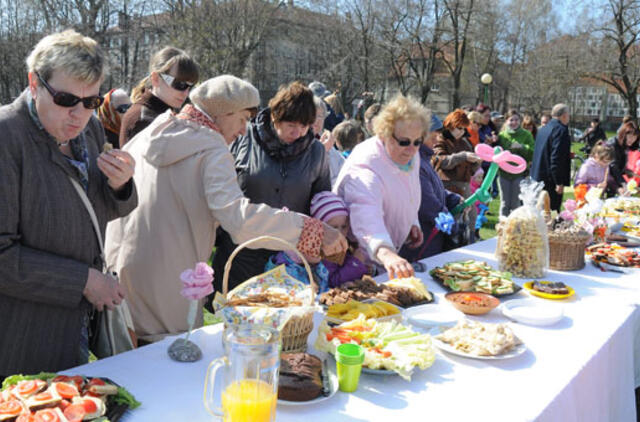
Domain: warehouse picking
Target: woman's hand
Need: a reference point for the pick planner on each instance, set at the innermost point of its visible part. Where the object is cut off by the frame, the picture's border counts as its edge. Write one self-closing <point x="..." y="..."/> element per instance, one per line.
<point x="415" y="237"/>
<point x="327" y="140"/>
<point x="102" y="290"/>
<point x="118" y="166"/>
<point x="395" y="265"/>
<point x="333" y="242"/>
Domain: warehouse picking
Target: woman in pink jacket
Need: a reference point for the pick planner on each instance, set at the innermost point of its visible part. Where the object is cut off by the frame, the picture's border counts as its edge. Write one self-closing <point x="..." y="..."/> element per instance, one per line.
<point x="380" y="184"/>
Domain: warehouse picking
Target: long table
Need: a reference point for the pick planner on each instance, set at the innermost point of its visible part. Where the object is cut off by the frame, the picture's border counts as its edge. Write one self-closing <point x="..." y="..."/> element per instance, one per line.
<point x="584" y="368"/>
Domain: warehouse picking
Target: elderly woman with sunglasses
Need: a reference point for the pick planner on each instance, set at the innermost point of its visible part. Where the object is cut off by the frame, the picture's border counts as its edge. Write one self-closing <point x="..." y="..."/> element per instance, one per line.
<point x="380" y="184"/>
<point x="50" y="260"/>
<point x="172" y="73"/>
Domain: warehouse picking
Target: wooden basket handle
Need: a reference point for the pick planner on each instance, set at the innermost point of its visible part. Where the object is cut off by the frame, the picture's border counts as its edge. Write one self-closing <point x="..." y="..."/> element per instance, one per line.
<point x="227" y="266"/>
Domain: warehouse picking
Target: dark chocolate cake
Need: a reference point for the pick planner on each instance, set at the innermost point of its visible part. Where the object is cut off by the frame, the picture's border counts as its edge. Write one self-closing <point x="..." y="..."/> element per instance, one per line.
<point x="300" y="377"/>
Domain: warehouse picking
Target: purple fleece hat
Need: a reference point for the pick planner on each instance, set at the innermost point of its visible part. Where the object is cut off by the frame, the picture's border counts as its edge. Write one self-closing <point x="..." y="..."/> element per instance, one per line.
<point x="326" y="205"/>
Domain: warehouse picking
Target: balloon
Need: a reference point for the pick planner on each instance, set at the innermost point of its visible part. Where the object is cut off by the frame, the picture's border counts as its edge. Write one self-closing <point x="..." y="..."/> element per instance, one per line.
<point x="498" y="158"/>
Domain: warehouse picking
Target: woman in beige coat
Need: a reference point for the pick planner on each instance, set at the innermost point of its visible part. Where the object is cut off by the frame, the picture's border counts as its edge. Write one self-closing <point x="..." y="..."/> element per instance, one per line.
<point x="187" y="188"/>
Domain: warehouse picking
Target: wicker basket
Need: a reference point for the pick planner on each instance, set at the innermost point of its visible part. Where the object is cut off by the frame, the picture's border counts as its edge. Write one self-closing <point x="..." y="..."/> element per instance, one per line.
<point x="566" y="250"/>
<point x="296" y="331"/>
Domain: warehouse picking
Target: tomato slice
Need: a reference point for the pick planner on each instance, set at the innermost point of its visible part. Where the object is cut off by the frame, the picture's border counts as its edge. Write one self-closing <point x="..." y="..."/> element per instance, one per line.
<point x="26" y="417"/>
<point x="67" y="391"/>
<point x="90" y="406"/>
<point x="11" y="407"/>
<point x="96" y="381"/>
<point x="78" y="381"/>
<point x="47" y="415"/>
<point x="43" y="396"/>
<point x="75" y="412"/>
<point x="27" y="387"/>
<point x="64" y="404"/>
<point x="61" y="378"/>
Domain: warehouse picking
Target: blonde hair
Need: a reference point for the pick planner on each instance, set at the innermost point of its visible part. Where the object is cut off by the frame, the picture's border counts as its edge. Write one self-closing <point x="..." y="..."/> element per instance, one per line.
<point x="602" y="151"/>
<point x="334" y="101"/>
<point x="162" y="62"/>
<point x="474" y="117"/>
<point x="76" y="55"/>
<point x="400" y="108"/>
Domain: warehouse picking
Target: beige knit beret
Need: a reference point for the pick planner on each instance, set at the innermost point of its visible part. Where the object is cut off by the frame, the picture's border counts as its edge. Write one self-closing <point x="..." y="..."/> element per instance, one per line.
<point x="225" y="94"/>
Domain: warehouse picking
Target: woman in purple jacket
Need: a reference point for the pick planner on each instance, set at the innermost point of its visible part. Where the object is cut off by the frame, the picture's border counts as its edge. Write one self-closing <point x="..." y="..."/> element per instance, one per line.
<point x="435" y="199"/>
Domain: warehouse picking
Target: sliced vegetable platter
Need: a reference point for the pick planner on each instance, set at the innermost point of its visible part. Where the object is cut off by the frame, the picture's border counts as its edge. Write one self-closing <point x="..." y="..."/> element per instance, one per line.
<point x="50" y="397"/>
<point x="388" y="345"/>
<point x="474" y="276"/>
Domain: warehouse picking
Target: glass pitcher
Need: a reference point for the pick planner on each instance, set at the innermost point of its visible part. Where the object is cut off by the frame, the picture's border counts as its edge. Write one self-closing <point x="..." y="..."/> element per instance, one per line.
<point x="249" y="388"/>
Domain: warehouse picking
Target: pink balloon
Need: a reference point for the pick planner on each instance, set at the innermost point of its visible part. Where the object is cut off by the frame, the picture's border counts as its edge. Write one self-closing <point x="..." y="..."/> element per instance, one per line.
<point x="506" y="160"/>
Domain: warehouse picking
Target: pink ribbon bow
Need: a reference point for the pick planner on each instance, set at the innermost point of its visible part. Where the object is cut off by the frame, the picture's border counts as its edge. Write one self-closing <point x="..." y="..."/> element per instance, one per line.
<point x="507" y="161"/>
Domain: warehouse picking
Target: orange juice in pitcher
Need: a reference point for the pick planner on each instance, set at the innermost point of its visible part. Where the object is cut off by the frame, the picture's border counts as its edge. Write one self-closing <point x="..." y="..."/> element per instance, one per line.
<point x="249" y="387"/>
<point x="249" y="400"/>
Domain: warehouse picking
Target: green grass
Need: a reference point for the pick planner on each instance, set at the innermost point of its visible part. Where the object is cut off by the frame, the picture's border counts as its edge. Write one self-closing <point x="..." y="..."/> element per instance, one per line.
<point x="211" y="319"/>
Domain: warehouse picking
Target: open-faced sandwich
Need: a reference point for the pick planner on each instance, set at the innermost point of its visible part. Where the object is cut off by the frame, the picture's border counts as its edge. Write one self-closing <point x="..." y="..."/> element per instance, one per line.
<point x="59" y="398"/>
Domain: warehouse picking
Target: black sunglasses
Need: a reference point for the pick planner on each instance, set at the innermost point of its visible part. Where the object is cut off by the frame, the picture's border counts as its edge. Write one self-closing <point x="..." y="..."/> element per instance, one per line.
<point x="405" y="142"/>
<point x="177" y="85"/>
<point x="122" y="108"/>
<point x="64" y="99"/>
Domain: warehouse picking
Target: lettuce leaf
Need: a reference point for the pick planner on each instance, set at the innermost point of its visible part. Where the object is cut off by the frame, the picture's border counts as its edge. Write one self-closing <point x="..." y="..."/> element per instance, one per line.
<point x="125" y="397"/>
<point x="14" y="379"/>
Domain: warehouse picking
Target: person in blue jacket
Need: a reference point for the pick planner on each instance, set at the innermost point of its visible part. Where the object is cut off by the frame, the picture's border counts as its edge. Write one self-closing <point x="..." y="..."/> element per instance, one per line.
<point x="435" y="199"/>
<point x="552" y="155"/>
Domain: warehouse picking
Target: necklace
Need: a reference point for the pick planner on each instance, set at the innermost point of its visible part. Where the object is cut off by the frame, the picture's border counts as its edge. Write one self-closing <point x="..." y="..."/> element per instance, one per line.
<point x="63" y="144"/>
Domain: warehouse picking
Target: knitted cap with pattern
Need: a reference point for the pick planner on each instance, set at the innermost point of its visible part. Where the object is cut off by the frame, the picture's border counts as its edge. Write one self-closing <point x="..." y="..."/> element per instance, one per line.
<point x="326" y="205"/>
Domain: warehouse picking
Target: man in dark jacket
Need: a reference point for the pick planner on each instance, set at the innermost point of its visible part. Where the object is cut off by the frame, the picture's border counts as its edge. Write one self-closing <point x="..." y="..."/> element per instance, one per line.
<point x="592" y="135"/>
<point x="552" y="155"/>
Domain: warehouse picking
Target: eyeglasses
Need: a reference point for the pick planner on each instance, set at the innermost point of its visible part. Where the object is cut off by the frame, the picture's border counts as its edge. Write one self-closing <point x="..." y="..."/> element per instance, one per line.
<point x="64" y="99"/>
<point x="406" y="142"/>
<point x="122" y="108"/>
<point x="177" y="85"/>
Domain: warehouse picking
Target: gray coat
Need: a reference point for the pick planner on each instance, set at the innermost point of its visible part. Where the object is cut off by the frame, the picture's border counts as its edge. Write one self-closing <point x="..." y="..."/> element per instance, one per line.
<point x="275" y="174"/>
<point x="47" y="242"/>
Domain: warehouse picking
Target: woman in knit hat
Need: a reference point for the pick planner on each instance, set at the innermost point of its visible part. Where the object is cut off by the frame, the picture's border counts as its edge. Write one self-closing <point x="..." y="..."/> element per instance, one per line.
<point x="188" y="189"/>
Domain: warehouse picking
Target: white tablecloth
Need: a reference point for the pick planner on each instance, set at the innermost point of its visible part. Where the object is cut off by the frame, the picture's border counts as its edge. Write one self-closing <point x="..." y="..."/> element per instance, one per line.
<point x="581" y="369"/>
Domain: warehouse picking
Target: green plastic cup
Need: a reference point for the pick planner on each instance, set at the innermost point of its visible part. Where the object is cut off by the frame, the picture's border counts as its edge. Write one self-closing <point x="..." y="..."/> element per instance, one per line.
<point x="349" y="358"/>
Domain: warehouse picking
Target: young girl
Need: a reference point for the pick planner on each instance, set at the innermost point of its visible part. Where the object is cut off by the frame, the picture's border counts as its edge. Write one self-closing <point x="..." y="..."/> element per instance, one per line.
<point x="596" y="168"/>
<point x="331" y="209"/>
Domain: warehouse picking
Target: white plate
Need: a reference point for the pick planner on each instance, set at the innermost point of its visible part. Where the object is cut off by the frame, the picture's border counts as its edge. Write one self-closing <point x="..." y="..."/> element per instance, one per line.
<point x="516" y="351"/>
<point x="333" y="387"/>
<point x="428" y="316"/>
<point x="533" y="312"/>
<point x="378" y="371"/>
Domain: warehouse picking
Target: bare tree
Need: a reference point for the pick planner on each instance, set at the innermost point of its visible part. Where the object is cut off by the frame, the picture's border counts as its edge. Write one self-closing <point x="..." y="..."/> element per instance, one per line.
<point x="222" y="34"/>
<point x="614" y="50"/>
<point x="458" y="14"/>
<point x="411" y="36"/>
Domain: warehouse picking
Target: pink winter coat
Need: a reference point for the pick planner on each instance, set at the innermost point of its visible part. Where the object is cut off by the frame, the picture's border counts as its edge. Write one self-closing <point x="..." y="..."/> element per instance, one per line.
<point x="383" y="200"/>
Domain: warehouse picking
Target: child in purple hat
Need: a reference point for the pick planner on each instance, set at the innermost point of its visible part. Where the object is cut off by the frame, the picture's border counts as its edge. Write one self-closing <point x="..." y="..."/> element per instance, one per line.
<point x="331" y="209"/>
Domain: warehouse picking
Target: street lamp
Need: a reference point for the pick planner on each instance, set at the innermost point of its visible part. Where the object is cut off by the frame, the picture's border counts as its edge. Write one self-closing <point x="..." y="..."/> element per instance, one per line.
<point x="486" y="80"/>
